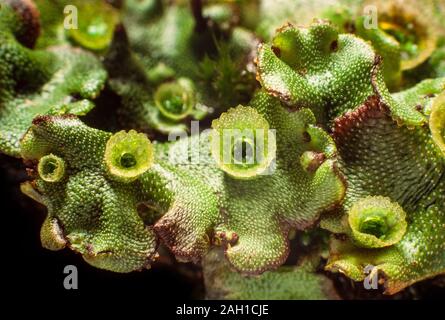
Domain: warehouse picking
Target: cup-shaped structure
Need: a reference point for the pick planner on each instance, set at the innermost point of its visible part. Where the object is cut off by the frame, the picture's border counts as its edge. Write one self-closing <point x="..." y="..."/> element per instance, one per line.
<point x="376" y="222"/>
<point x="128" y="155"/>
<point x="51" y="168"/>
<point x="243" y="145"/>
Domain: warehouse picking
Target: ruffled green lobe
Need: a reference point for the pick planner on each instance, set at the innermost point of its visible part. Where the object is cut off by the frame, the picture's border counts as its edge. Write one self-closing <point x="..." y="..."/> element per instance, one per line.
<point x="60" y="80"/>
<point x="88" y="212"/>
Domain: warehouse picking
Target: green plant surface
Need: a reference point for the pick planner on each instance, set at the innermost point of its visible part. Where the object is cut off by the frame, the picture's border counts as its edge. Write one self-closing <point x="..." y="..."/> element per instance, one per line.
<point x="369" y="130"/>
<point x="87" y="209"/>
<point x="200" y="45"/>
<point x="198" y="203"/>
<point x="437" y="122"/>
<point x="143" y="94"/>
<point x="320" y="148"/>
<point x="32" y="82"/>
<point x="286" y="283"/>
<point x="420" y="166"/>
<point x="95" y="20"/>
<point x="286" y="69"/>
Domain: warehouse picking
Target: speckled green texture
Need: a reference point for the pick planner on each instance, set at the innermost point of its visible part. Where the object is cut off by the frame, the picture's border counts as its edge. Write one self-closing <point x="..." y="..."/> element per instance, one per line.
<point x="311" y="67"/>
<point x="286" y="283"/>
<point x="103" y="125"/>
<point x="56" y="81"/>
<point x="197" y="200"/>
<point x="384" y="145"/>
<point x="415" y="181"/>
